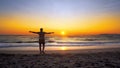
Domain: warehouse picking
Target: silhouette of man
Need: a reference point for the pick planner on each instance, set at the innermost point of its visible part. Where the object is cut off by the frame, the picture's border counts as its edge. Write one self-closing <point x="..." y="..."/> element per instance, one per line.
<point x="41" y="39"/>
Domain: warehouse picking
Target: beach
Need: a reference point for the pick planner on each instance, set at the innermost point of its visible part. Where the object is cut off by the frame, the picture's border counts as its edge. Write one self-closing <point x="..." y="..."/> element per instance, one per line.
<point x="59" y="33"/>
<point x="85" y="57"/>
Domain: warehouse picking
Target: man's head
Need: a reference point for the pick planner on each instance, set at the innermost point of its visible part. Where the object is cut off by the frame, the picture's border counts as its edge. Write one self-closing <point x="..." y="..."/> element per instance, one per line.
<point x="41" y="29"/>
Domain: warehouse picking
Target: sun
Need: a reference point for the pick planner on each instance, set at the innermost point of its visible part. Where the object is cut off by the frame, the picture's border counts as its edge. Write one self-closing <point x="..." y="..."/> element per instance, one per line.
<point x="63" y="33"/>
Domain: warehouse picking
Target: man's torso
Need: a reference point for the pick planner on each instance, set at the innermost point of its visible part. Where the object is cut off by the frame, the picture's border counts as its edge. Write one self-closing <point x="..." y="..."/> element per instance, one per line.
<point x="42" y="37"/>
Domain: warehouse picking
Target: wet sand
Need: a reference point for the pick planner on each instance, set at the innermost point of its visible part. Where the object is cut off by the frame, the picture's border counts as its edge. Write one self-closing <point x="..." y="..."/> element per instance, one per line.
<point x="60" y="49"/>
<point x="107" y="57"/>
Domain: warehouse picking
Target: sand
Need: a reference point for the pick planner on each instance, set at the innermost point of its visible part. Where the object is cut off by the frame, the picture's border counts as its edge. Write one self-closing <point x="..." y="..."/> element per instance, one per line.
<point x="79" y="58"/>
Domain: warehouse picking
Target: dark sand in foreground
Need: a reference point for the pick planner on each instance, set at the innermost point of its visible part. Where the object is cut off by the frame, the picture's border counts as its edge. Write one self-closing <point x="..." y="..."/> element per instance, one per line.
<point x="86" y="58"/>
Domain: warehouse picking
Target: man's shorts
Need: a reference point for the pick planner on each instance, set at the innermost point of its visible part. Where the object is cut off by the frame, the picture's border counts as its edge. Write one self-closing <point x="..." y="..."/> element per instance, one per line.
<point x="41" y="41"/>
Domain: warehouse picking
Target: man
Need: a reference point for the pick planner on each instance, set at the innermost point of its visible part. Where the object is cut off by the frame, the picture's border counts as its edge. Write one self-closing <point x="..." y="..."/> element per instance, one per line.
<point x="41" y="38"/>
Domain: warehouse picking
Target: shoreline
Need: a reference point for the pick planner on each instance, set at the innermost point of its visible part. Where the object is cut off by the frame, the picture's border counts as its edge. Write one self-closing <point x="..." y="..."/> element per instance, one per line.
<point x="103" y="59"/>
<point x="60" y="49"/>
<point x="94" y="57"/>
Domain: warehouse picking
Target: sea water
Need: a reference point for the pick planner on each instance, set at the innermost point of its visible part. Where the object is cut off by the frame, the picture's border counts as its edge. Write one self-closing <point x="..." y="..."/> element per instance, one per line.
<point x="85" y="40"/>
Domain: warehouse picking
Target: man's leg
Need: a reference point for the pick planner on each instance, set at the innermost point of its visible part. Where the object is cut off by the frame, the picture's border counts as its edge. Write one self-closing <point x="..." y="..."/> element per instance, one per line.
<point x="43" y="47"/>
<point x="40" y="47"/>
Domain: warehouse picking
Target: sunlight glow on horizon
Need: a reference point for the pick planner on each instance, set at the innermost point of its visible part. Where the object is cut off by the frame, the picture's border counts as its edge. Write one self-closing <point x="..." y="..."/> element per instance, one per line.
<point x="63" y="33"/>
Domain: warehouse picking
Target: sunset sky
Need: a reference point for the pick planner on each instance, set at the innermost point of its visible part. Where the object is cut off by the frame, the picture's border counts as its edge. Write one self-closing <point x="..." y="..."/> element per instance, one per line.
<point x="72" y="17"/>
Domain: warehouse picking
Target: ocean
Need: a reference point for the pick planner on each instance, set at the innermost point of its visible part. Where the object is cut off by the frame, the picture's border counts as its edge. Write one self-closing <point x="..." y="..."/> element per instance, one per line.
<point x="32" y="41"/>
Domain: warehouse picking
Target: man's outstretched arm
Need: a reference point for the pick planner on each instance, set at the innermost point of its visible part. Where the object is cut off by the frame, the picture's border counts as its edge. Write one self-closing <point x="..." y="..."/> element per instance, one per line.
<point x="34" y="32"/>
<point x="49" y="32"/>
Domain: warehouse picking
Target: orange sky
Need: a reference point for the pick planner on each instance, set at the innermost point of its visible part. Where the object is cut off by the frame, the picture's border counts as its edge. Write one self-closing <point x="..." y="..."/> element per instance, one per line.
<point x="88" y="25"/>
<point x="74" y="18"/>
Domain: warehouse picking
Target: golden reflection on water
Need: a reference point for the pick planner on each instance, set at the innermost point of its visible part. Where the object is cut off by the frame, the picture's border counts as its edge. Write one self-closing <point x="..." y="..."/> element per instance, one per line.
<point x="63" y="48"/>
